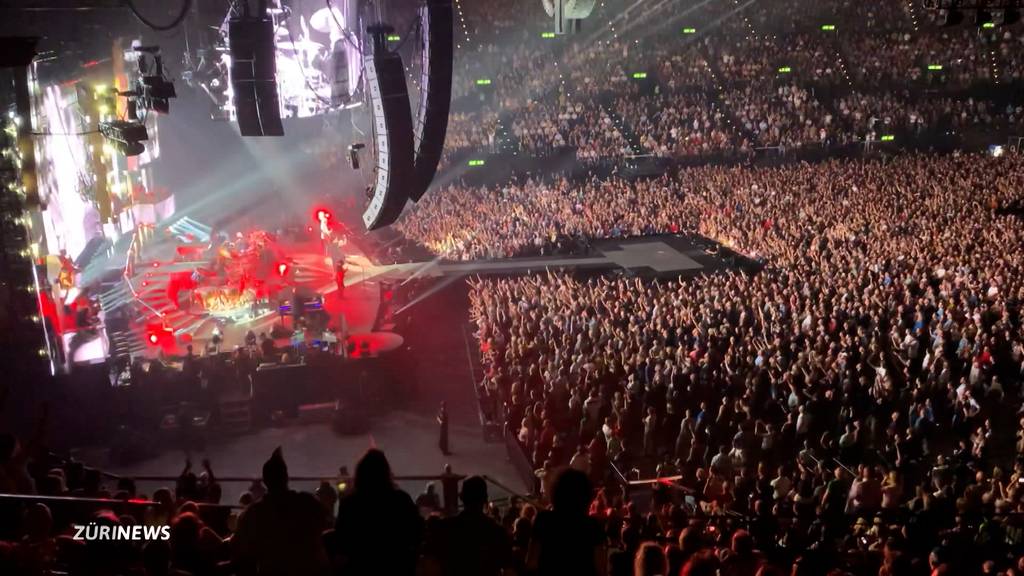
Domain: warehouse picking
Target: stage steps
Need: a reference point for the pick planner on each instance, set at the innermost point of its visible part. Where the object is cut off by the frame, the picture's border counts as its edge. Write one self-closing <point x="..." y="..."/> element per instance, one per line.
<point x="115" y="297"/>
<point x="235" y="414"/>
<point x="125" y="344"/>
<point x="190" y="231"/>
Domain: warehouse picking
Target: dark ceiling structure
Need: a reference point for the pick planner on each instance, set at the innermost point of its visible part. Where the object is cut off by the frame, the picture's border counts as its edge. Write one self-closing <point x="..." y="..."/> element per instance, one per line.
<point x="78" y="33"/>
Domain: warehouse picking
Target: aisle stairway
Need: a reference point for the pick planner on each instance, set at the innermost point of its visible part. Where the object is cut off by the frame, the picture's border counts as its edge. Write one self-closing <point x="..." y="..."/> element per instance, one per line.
<point x="632" y="139"/>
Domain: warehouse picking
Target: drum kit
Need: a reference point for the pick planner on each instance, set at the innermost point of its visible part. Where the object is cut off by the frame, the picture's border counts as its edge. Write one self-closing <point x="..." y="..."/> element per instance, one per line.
<point x="328" y="20"/>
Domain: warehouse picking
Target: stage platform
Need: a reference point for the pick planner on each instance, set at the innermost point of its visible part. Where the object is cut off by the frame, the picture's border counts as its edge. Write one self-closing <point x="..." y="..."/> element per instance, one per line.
<point x="152" y="290"/>
<point x="667" y="255"/>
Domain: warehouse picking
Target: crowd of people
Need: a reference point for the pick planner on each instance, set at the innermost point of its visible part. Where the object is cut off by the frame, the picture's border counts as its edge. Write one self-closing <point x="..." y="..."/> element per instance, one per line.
<point x="853" y="406"/>
<point x="537" y="216"/>
<point x="860" y="394"/>
<point x="671" y="125"/>
<point x="366" y="526"/>
<point x="760" y="66"/>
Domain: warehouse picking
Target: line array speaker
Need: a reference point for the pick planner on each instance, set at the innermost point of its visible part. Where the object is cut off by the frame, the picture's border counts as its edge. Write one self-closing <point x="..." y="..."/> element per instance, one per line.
<point x="392" y="127"/>
<point x="437" y="18"/>
<point x="253" y="76"/>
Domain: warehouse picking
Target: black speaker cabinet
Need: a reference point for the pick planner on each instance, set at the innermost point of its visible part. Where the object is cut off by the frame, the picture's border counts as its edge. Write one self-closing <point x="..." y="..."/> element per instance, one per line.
<point x="254" y="76"/>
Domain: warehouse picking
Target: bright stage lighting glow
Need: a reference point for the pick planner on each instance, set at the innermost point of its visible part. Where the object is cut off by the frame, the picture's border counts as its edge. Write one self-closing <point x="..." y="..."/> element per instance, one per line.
<point x="64" y="174"/>
<point x="317" y="63"/>
<point x="317" y="59"/>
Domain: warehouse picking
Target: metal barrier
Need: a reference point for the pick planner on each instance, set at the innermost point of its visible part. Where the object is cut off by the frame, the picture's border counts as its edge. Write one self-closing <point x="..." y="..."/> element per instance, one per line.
<point x="449" y="493"/>
<point x="95" y="502"/>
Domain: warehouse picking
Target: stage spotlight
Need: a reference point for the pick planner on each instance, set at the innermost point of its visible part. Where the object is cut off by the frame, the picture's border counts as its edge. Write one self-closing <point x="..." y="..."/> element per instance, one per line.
<point x="125" y="136"/>
<point x="152" y="89"/>
<point x="282" y="269"/>
<point x="159" y="335"/>
<point x="353" y="154"/>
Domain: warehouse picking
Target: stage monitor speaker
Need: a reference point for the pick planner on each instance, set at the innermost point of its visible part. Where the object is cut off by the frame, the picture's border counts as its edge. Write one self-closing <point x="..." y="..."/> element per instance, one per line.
<point x="437" y="20"/>
<point x="253" y="76"/>
<point x="393" y="141"/>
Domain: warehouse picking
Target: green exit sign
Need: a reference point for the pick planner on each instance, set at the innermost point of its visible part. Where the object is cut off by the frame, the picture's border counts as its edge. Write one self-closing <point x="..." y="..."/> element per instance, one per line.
<point x="689" y="30"/>
<point x="483" y="82"/>
<point x="935" y="66"/>
<point x="547" y="34"/>
<point x="989" y="25"/>
<point x="477" y="162"/>
<point x="828" y="27"/>
<point x="639" y="75"/>
<point x="394" y="38"/>
<point x="785" y="70"/>
<point x="888" y="138"/>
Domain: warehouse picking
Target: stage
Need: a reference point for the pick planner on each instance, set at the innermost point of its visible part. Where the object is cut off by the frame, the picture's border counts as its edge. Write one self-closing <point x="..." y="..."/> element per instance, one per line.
<point x="664" y="256"/>
<point x="177" y="286"/>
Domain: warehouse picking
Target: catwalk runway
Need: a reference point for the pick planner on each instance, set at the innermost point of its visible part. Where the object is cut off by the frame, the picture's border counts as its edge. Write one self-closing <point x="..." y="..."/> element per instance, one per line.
<point x="667" y="255"/>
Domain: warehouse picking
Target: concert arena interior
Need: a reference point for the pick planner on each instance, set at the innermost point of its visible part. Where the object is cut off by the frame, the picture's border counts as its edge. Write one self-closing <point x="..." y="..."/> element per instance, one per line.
<point x="512" y="287"/>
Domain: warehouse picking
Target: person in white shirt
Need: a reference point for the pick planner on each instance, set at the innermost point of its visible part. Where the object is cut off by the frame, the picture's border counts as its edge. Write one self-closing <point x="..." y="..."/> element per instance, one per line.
<point x="581" y="460"/>
<point x="781" y="484"/>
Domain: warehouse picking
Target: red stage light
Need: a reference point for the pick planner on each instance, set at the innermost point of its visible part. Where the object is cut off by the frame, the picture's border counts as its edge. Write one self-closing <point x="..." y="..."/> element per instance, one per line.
<point x="158" y="335"/>
<point x="282" y="269"/>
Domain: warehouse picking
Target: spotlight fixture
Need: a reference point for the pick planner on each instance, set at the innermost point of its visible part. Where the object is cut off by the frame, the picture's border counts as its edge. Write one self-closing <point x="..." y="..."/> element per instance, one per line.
<point x="125" y="136"/>
<point x="153" y="90"/>
<point x="353" y="154"/>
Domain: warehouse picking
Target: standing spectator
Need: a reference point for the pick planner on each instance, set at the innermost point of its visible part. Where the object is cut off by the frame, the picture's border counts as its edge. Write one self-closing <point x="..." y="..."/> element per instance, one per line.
<point x="378" y="529"/>
<point x="471" y="543"/>
<point x="565" y="540"/>
<point x="649" y="561"/>
<point x="281" y="533"/>
<point x="442" y="421"/>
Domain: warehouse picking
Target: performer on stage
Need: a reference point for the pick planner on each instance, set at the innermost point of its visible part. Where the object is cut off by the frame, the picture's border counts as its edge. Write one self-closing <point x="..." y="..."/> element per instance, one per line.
<point x="442" y="420"/>
<point x="339" y="278"/>
<point x="66" y="275"/>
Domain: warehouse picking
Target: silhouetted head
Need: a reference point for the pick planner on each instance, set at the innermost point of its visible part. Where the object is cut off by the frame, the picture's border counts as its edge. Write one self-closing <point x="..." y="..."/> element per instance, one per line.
<point x="742" y="543"/>
<point x="571" y="492"/>
<point x="649" y="560"/>
<point x="474" y="493"/>
<point x="373" y="473"/>
<point x="275" y="472"/>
